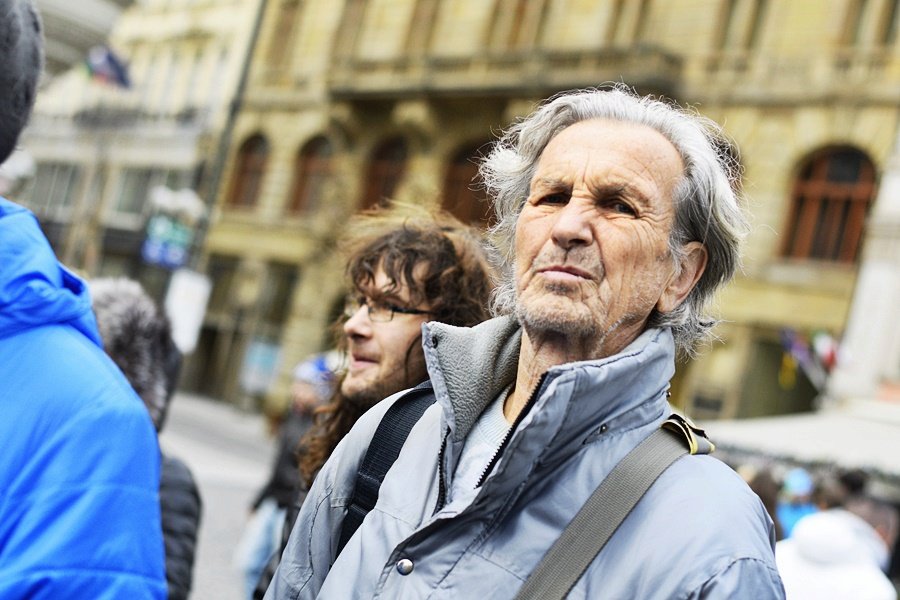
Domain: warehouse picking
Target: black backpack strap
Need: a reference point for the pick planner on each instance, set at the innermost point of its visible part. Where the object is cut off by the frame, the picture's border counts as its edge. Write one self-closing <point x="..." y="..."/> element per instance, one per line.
<point x="586" y="535"/>
<point x="383" y="450"/>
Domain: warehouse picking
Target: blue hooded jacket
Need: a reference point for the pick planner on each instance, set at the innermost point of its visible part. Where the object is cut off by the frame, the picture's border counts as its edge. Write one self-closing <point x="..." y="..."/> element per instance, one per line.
<point x="79" y="466"/>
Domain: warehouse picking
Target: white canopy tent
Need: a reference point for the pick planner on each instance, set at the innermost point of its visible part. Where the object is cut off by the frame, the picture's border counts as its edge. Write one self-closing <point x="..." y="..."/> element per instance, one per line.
<point x="859" y="434"/>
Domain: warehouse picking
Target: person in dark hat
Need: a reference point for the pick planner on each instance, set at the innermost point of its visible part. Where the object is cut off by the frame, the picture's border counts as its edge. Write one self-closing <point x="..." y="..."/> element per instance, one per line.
<point x="79" y="469"/>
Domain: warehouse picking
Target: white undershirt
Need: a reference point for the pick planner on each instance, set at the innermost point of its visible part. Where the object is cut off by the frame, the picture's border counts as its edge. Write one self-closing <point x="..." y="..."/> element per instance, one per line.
<point x="479" y="448"/>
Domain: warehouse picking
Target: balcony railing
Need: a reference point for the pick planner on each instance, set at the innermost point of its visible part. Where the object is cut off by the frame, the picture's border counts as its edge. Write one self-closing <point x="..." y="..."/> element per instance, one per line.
<point x="536" y="72"/>
<point x="779" y="78"/>
<point x="106" y="116"/>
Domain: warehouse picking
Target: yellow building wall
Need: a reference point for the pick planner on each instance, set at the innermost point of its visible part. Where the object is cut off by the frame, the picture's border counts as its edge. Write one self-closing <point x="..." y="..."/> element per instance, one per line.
<point x="793" y="86"/>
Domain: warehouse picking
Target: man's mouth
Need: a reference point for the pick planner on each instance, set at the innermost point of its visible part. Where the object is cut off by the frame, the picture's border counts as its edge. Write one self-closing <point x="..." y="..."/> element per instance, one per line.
<point x="565" y="273"/>
<point x="361" y="361"/>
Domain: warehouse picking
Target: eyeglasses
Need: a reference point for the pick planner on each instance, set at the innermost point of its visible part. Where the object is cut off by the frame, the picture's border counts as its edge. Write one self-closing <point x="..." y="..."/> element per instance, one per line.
<point x="379" y="312"/>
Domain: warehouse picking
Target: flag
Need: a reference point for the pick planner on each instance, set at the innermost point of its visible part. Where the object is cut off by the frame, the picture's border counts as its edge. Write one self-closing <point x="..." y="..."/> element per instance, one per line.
<point x="103" y="64"/>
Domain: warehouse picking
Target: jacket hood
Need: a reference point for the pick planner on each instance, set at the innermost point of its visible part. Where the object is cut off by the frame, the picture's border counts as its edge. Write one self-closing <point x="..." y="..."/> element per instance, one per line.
<point x="35" y="289"/>
<point x="837" y="537"/>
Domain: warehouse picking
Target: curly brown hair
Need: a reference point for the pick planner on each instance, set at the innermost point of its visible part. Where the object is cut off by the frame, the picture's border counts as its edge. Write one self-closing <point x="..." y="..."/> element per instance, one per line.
<point x="442" y="263"/>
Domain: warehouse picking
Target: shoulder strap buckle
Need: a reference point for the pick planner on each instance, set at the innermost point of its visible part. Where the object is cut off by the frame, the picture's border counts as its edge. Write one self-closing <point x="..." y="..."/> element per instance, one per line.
<point x="685" y="430"/>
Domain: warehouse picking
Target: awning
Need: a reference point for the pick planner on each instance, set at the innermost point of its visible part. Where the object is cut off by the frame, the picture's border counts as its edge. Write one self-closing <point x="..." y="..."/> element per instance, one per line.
<point x="861" y="434"/>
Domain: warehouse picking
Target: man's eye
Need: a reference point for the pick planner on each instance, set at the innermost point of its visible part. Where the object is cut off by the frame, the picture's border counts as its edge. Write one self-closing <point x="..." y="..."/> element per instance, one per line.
<point x="379" y="306"/>
<point x="558" y="198"/>
<point x="622" y="207"/>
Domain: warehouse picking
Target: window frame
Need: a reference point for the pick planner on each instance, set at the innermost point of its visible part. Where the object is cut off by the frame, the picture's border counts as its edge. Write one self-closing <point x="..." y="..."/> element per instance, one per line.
<point x="385" y="171"/>
<point x="826" y="220"/>
<point x="461" y="195"/>
<point x="248" y="173"/>
<point x="313" y="168"/>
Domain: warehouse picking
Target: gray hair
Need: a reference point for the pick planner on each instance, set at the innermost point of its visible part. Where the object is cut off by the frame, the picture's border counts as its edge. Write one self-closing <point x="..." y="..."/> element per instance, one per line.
<point x="137" y="335"/>
<point x="707" y="207"/>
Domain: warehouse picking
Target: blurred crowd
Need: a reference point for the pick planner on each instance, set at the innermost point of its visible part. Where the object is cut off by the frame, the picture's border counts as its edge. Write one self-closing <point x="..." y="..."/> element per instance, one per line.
<point x="837" y="530"/>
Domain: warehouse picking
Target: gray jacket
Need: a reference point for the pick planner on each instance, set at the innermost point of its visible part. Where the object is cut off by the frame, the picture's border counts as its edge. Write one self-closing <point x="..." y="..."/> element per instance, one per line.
<point x="698" y="533"/>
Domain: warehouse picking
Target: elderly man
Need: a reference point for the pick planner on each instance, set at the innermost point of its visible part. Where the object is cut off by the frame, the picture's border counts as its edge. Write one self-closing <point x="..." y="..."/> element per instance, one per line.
<point x="618" y="220"/>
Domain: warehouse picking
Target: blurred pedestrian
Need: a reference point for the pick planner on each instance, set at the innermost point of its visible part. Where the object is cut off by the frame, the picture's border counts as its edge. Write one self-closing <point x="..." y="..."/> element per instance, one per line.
<point x="763" y="483"/>
<point x="618" y="221"/>
<point x="79" y="466"/>
<point x="403" y="270"/>
<point x="796" y="499"/>
<point x="136" y="334"/>
<point x="840" y="553"/>
<point x="830" y="491"/>
<point x="313" y="384"/>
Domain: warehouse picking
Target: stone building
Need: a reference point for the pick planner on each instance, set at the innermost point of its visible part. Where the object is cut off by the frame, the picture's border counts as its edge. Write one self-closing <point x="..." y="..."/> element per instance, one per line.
<point x="69" y="31"/>
<point x="351" y="103"/>
<point x="100" y="147"/>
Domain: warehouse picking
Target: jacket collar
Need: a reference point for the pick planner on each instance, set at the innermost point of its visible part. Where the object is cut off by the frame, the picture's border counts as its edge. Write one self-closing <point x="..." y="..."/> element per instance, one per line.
<point x="469" y="367"/>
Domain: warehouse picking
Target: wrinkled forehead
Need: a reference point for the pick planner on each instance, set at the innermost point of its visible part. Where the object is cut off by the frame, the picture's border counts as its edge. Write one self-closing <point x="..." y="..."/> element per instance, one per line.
<point x="601" y="133"/>
<point x="608" y="153"/>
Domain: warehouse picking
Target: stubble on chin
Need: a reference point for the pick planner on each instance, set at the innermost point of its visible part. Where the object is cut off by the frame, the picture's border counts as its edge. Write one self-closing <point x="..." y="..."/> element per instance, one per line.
<point x="548" y="308"/>
<point x="553" y="312"/>
<point x="366" y="394"/>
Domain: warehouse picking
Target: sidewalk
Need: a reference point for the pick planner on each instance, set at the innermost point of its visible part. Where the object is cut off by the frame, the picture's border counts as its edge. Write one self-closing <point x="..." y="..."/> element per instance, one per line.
<point x="230" y="455"/>
<point x="200" y="429"/>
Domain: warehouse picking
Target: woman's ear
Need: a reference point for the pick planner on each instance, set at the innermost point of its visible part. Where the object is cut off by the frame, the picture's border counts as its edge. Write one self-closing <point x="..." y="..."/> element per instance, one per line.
<point x="680" y="284"/>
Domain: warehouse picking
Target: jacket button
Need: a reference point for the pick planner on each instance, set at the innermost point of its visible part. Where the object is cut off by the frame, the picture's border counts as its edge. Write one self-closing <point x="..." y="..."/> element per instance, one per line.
<point x="404" y="566"/>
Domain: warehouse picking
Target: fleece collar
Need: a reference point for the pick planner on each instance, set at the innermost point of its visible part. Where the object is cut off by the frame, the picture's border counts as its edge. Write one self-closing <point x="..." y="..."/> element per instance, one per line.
<point x="469" y="367"/>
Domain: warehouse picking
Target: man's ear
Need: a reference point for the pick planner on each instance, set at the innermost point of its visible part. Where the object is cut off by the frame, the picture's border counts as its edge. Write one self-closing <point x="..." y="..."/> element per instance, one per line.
<point x="680" y="284"/>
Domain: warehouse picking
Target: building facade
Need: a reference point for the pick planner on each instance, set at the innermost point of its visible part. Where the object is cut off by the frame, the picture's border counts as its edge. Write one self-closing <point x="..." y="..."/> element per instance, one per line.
<point x="360" y="102"/>
<point x="354" y="103"/>
<point x="101" y="146"/>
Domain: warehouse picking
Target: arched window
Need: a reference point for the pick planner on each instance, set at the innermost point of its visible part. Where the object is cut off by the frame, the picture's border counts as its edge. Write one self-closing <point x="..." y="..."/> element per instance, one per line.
<point x="831" y="198"/>
<point x="386" y="169"/>
<point x="249" y="168"/>
<point x="463" y="197"/>
<point x="312" y="169"/>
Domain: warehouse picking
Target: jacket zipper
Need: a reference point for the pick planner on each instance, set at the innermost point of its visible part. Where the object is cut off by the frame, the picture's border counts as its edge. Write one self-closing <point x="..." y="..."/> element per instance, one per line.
<point x="442" y="492"/>
<point x="525" y="410"/>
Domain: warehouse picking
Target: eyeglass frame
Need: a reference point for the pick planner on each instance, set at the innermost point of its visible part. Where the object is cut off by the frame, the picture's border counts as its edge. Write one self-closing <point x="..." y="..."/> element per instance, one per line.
<point x="353" y="302"/>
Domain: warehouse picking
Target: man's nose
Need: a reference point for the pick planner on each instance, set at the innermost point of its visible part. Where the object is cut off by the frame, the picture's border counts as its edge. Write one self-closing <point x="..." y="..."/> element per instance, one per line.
<point x="358" y="325"/>
<point x="573" y="224"/>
